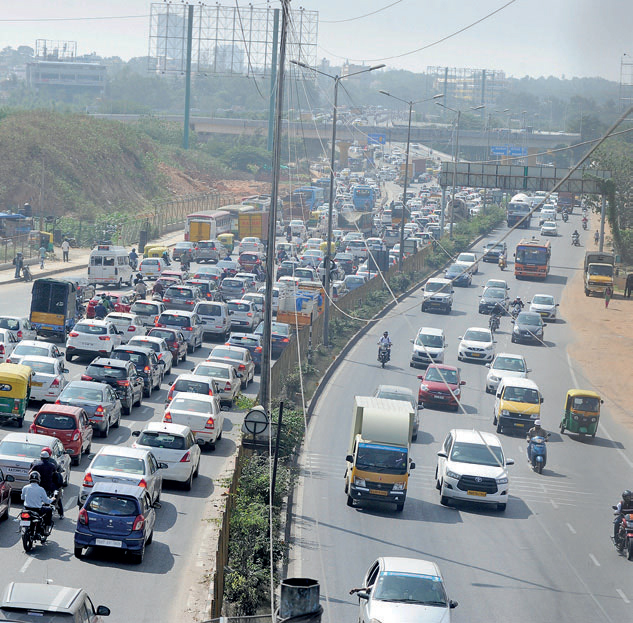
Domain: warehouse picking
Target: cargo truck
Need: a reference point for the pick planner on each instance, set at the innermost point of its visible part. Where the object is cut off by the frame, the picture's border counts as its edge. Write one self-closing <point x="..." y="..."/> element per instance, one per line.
<point x="253" y="224"/>
<point x="378" y="459"/>
<point x="599" y="269"/>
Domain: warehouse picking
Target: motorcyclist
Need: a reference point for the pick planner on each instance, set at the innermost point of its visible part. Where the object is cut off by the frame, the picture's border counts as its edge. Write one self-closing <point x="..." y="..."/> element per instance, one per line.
<point x="502" y="261"/>
<point x="35" y="499"/>
<point x="536" y="431"/>
<point x="158" y="288"/>
<point x="165" y="257"/>
<point x="51" y="477"/>
<point x="105" y="301"/>
<point x="518" y="303"/>
<point x="575" y="237"/>
<point x="282" y="255"/>
<point x="133" y="255"/>
<point x="625" y="506"/>
<point x="100" y="310"/>
<point x="385" y="340"/>
<point x="140" y="288"/>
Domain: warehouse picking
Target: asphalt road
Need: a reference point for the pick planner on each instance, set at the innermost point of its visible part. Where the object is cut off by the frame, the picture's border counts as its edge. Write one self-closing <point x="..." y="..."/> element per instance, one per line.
<point x="157" y="590"/>
<point x="549" y="557"/>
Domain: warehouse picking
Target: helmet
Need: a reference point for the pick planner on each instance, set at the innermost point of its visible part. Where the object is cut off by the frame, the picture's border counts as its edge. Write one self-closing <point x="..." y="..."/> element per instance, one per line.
<point x="133" y="249"/>
<point x="45" y="455"/>
<point x="627" y="495"/>
<point x="537" y="422"/>
<point x="35" y="477"/>
<point x="386" y="333"/>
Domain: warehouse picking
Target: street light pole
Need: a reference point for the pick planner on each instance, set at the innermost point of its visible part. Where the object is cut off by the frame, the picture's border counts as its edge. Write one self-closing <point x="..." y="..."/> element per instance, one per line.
<point x="327" y="259"/>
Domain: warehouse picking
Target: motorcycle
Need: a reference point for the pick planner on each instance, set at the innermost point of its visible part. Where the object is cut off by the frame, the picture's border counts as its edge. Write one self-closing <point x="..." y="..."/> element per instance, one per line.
<point x="584" y="224"/>
<point x="515" y="311"/>
<point x="623" y="541"/>
<point x="537" y="453"/>
<point x="575" y="241"/>
<point x="26" y="273"/>
<point x="493" y="323"/>
<point x="384" y="354"/>
<point x="32" y="526"/>
<point x="565" y="216"/>
<point x="502" y="262"/>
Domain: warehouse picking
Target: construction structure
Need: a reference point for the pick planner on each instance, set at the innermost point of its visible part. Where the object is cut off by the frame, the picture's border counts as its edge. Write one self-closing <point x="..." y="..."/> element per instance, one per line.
<point x="464" y="86"/>
<point x="626" y="82"/>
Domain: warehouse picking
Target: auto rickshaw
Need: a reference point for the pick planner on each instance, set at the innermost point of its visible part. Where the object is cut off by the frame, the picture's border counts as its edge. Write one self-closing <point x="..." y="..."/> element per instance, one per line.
<point x="227" y="241"/>
<point x="15" y="391"/>
<point x="323" y="246"/>
<point x="582" y="412"/>
<point x="155" y="250"/>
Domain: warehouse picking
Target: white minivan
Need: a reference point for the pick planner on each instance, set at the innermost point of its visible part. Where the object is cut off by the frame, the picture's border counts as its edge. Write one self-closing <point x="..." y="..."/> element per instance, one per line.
<point x="109" y="265"/>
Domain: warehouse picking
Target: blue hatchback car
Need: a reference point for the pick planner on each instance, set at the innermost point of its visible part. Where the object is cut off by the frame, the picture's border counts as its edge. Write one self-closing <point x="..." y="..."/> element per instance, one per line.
<point x="116" y="516"/>
<point x="279" y="336"/>
<point x="251" y="342"/>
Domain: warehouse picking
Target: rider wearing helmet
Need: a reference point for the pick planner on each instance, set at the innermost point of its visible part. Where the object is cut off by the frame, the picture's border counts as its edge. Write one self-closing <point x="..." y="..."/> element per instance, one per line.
<point x="625" y="506"/>
<point x="536" y="431"/>
<point x="35" y="499"/>
<point x="385" y="340"/>
<point x="51" y="478"/>
<point x="519" y="302"/>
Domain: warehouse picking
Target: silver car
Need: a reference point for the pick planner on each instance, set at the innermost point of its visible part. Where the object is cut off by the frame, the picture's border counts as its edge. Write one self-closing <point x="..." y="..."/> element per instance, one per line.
<point x="233" y="288"/>
<point x="240" y="358"/>
<point x="543" y="304"/>
<point x="186" y="321"/>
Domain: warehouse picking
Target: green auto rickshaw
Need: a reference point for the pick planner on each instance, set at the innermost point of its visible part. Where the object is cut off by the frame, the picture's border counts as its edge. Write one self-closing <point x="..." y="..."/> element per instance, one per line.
<point x="582" y="412"/>
<point x="15" y="391"/>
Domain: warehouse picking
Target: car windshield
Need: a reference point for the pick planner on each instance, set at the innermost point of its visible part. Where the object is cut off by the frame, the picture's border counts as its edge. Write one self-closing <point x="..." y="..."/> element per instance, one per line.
<point x="58" y="421"/>
<point x="144" y="309"/>
<point x="531" y="255"/>
<point x="601" y="270"/>
<point x="81" y="393"/>
<point x="477" y="335"/>
<point x="90" y="329"/>
<point x="193" y="387"/>
<point x="494" y="293"/>
<point x="521" y="394"/>
<point x="189" y="404"/>
<point x="494" y="283"/>
<point x="442" y="376"/>
<point x="26" y="349"/>
<point x="529" y="319"/>
<point x="512" y="364"/>
<point x="159" y="439"/>
<point x="542" y="299"/>
<point x="466" y="257"/>
<point x="354" y="280"/>
<point x="415" y="588"/>
<point x="434" y="341"/>
<point x="20" y="448"/>
<point x="385" y="459"/>
<point x="105" y="372"/>
<point x="43" y="367"/>
<point x="211" y="370"/>
<point x="455" y="270"/>
<point x="477" y="453"/>
<point x="115" y="463"/>
<point x="245" y="341"/>
<point x="436" y="286"/>
<point x="112" y="505"/>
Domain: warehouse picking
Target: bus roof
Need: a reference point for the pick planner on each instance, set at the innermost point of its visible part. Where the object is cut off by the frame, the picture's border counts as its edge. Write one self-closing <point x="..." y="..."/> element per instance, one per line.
<point x="208" y="214"/>
<point x="534" y="242"/>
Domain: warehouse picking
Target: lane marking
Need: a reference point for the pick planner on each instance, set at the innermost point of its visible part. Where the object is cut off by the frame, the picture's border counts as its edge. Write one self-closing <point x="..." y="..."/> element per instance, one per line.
<point x="625" y="599"/>
<point x="553" y="503"/>
<point x="594" y="560"/>
<point x="72" y="500"/>
<point x="571" y="528"/>
<point x="25" y="566"/>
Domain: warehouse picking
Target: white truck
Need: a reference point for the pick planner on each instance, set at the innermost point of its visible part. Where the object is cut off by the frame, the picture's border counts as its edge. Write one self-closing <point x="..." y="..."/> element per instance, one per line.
<point x="378" y="461"/>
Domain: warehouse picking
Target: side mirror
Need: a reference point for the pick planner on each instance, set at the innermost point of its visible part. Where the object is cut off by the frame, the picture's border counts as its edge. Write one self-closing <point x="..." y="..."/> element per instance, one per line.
<point x="529" y="370"/>
<point x="411" y="341"/>
<point x="542" y="400"/>
<point x="349" y="458"/>
<point x="488" y="365"/>
<point x="103" y="611"/>
<point x="509" y="461"/>
<point x="65" y="370"/>
<point x="362" y="595"/>
<point x="462" y="382"/>
<point x="557" y="304"/>
<point x="442" y="454"/>
<point x="9" y="478"/>
<point x="420" y="377"/>
<point x="163" y="466"/>
<point x="136" y="433"/>
<point x="452" y="604"/>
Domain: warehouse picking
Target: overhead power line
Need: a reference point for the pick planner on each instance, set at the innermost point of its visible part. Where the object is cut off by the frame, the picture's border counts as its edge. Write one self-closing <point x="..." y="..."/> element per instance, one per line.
<point x="72" y="19"/>
<point x="352" y="19"/>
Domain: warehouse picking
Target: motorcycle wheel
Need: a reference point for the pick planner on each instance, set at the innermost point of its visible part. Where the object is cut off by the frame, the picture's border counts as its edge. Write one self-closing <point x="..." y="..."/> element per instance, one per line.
<point x="27" y="541"/>
<point x="383" y="363"/>
<point x="539" y="468"/>
<point x="629" y="550"/>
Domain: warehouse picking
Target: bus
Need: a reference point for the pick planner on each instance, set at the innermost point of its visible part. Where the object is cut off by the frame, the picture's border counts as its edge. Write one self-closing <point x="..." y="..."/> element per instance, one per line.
<point x="532" y="258"/>
<point x="207" y="225"/>
<point x="520" y="207"/>
<point x="363" y="198"/>
<point x="310" y="197"/>
<point x="396" y="214"/>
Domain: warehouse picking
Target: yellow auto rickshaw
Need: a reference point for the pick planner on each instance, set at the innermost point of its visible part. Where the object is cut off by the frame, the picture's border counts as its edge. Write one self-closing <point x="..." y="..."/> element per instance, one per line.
<point x="155" y="250"/>
<point x="15" y="391"/>
<point x="227" y="241"/>
<point x="582" y="412"/>
<point x="323" y="246"/>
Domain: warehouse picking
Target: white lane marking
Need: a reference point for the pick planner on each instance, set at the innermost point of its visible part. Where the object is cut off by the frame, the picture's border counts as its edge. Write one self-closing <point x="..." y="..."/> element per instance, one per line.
<point x="554" y="504"/>
<point x="72" y="500"/>
<point x="594" y="560"/>
<point x="625" y="599"/>
<point x="571" y="528"/>
<point x="25" y="566"/>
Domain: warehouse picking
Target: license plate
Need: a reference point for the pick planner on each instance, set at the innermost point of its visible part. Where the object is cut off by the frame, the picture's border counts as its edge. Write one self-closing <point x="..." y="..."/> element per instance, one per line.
<point x="108" y="543"/>
<point x="481" y="494"/>
<point x="440" y="397"/>
<point x="36" y="384"/>
<point x="519" y="425"/>
<point x="475" y="354"/>
<point x="25" y="524"/>
<point x="377" y="492"/>
<point x="16" y="470"/>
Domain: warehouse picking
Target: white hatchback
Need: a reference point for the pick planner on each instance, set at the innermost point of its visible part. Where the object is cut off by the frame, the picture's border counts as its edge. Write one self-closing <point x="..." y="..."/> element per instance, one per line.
<point x="477" y="344"/>
<point x="34" y="348"/>
<point x="202" y="414"/>
<point x="8" y="342"/>
<point x="505" y="365"/>
<point x="152" y="267"/>
<point x="129" y="325"/>
<point x="243" y="314"/>
<point x="49" y="377"/>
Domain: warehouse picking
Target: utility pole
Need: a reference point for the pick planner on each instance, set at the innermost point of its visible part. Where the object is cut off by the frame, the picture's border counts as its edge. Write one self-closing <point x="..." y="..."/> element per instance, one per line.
<point x="185" y="133"/>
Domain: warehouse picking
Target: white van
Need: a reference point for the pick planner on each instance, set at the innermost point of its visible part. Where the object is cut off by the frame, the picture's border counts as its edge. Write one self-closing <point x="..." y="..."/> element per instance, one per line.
<point x="109" y="265"/>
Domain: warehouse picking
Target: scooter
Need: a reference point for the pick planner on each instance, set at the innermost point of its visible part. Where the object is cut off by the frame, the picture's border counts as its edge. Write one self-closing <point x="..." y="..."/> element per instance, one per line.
<point x="584" y="224"/>
<point x="493" y="323"/>
<point x="502" y="262"/>
<point x="32" y="526"/>
<point x="575" y="241"/>
<point x="565" y="216"/>
<point x="537" y="453"/>
<point x="26" y="273"/>
<point x="384" y="354"/>
<point x="624" y="538"/>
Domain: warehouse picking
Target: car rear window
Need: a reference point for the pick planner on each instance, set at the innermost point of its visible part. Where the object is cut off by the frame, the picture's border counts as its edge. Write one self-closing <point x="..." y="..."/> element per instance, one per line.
<point x="90" y="329"/>
<point x="210" y="310"/>
<point x="232" y="283"/>
<point x="178" y="321"/>
<point x="138" y="359"/>
<point x="25" y="349"/>
<point x="114" y="463"/>
<point x="219" y="351"/>
<point x="144" y="309"/>
<point x="19" y="448"/>
<point x="112" y="505"/>
<point x="145" y="344"/>
<point x="57" y="421"/>
<point x="157" y="439"/>
<point x="189" y="404"/>
<point x="214" y="371"/>
<point x="106" y="372"/>
<point x="178" y="292"/>
<point x="193" y="387"/>
<point x="245" y="341"/>
<point x="9" y="323"/>
<point x="43" y="367"/>
<point x="82" y="393"/>
<point x="249" y="257"/>
<point x="240" y="307"/>
<point x="168" y="336"/>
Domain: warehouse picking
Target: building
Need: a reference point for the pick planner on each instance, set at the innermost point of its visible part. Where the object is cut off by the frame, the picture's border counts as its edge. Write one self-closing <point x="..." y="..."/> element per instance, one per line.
<point x="466" y="86"/>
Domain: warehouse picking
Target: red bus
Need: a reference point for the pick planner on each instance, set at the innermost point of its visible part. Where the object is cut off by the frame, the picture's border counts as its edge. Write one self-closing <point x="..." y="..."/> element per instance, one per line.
<point x="531" y="259"/>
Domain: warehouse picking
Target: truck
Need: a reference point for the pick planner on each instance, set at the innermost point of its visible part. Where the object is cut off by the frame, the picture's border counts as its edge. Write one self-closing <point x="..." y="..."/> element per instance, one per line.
<point x="417" y="166"/>
<point x="378" y="458"/>
<point x="253" y="224"/>
<point x="299" y="303"/>
<point x="53" y="308"/>
<point x="598" y="272"/>
<point x="566" y="201"/>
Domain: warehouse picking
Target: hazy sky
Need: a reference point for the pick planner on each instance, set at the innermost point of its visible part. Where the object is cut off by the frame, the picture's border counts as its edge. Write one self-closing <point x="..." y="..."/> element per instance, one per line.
<point x="528" y="37"/>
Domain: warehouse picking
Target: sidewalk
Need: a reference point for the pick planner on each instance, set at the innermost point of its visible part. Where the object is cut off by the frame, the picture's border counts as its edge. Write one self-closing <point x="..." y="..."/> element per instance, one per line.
<point x="78" y="261"/>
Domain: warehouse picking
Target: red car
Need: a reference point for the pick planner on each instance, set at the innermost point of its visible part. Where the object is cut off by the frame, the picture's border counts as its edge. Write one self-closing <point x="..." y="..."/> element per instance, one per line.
<point x="69" y="424"/>
<point x="120" y="302"/>
<point x="249" y="260"/>
<point x="441" y="385"/>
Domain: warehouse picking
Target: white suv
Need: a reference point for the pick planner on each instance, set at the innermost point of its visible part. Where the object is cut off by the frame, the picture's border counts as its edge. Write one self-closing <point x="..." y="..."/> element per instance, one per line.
<point x="97" y="338"/>
<point x="428" y="347"/>
<point x="477" y="344"/>
<point x="472" y="466"/>
<point x="438" y="294"/>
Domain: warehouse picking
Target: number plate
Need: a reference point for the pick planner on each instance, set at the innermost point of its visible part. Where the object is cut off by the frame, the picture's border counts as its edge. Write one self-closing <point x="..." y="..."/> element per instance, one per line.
<point x="481" y="494"/>
<point x="108" y="543"/>
<point x="378" y="492"/>
<point x="25" y="524"/>
<point x="16" y="470"/>
<point x="475" y="354"/>
<point x="519" y="425"/>
<point x="36" y="384"/>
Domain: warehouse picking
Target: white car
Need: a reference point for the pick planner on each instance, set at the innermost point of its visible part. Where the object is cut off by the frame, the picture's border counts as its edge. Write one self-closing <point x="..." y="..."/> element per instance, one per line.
<point x="471" y="466"/>
<point x="243" y="314"/>
<point x="477" y="344"/>
<point x="174" y="445"/>
<point x="547" y="214"/>
<point x="549" y="228"/>
<point x="49" y="377"/>
<point x="20" y="327"/>
<point x="129" y="325"/>
<point x="202" y="414"/>
<point x="428" y="347"/>
<point x="95" y="338"/>
<point x="313" y="243"/>
<point x="471" y="259"/>
<point x="250" y="244"/>
<point x="8" y="342"/>
<point x="148" y="311"/>
<point x="127" y="466"/>
<point x="159" y="346"/>
<point x="225" y="375"/>
<point x="496" y="283"/>
<point x="545" y="305"/>
<point x="152" y="267"/>
<point x="505" y="365"/>
<point x="34" y="348"/>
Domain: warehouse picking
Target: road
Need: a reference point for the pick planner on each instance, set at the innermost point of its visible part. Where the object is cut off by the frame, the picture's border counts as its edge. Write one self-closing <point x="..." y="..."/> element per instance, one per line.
<point x="173" y="563"/>
<point x="549" y="557"/>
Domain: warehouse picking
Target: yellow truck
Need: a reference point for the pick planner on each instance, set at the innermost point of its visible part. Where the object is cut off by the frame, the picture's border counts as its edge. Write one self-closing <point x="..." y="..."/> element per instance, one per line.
<point x="599" y="271"/>
<point x="378" y="459"/>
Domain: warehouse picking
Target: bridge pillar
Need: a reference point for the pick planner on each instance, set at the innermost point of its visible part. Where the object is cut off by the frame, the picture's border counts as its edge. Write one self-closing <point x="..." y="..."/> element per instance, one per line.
<point x="532" y="151"/>
<point x="343" y="151"/>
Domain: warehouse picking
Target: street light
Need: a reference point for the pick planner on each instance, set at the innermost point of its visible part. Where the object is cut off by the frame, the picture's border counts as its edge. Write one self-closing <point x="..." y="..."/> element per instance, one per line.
<point x="410" y="104"/>
<point x="327" y="259"/>
<point x="456" y="155"/>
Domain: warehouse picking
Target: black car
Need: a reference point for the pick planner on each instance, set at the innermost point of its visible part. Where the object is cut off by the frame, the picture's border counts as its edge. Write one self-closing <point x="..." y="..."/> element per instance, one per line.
<point x="493" y="250"/>
<point x="346" y="262"/>
<point x="176" y="342"/>
<point x="146" y="363"/>
<point x="280" y="336"/>
<point x="121" y="376"/>
<point x="528" y="327"/>
<point x="287" y="268"/>
<point x="492" y="297"/>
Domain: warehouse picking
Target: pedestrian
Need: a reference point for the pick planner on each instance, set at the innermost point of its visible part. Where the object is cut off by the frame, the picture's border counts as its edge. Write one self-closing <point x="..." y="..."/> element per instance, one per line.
<point x="18" y="262"/>
<point x="629" y="285"/>
<point x="608" y="293"/>
<point x="65" y="249"/>
<point x="42" y="253"/>
<point x="596" y="237"/>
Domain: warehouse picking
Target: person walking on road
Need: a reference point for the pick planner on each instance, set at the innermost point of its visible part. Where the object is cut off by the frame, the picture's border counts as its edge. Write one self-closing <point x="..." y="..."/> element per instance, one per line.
<point x="42" y="253"/>
<point x="628" y="288"/>
<point x="65" y="250"/>
<point x="608" y="293"/>
<point x="18" y="262"/>
<point x="596" y="237"/>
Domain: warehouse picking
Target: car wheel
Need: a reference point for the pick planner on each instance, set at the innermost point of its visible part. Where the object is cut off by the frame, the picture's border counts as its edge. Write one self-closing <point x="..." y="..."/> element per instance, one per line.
<point x="197" y="470"/>
<point x="75" y="460"/>
<point x="399" y="507"/>
<point x="5" y="515"/>
<point x="69" y="356"/>
<point x="501" y="507"/>
<point x="243" y="384"/>
<point x="139" y="402"/>
<point x="137" y="557"/>
<point x="184" y="357"/>
<point x="499" y="427"/>
<point x="150" y="538"/>
<point x="117" y="422"/>
<point x="20" y="422"/>
<point x="350" y="501"/>
<point x="444" y="501"/>
<point x="189" y="482"/>
<point x="106" y="430"/>
<point x="79" y="552"/>
<point x="147" y="391"/>
<point x="127" y="407"/>
<point x="191" y="347"/>
<point x="119" y="284"/>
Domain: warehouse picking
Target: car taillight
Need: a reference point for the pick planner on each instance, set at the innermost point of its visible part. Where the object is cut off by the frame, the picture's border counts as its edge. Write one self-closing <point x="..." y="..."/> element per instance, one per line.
<point x="73" y="334"/>
<point x="20" y="334"/>
<point x="58" y="402"/>
<point x="32" y="428"/>
<point x="88" y="482"/>
<point x="210" y="392"/>
<point x="243" y="290"/>
<point x="188" y="328"/>
<point x="155" y="319"/>
<point x="159" y="355"/>
<point x="131" y="328"/>
<point x="210" y="425"/>
<point x="166" y="299"/>
<point x="55" y="383"/>
<point x="258" y="349"/>
<point x="99" y="411"/>
<point x="158" y="324"/>
<point x="146" y="369"/>
<point x="76" y="434"/>
<point x="104" y="338"/>
<point x="186" y="458"/>
<point x="85" y="377"/>
<point x="1" y="349"/>
<point x="227" y="387"/>
<point x="249" y="314"/>
<point x="139" y="522"/>
<point x="143" y="483"/>
<point x="285" y="340"/>
<point x="83" y="517"/>
<point x="241" y="367"/>
<point x="124" y="383"/>
<point x="167" y="417"/>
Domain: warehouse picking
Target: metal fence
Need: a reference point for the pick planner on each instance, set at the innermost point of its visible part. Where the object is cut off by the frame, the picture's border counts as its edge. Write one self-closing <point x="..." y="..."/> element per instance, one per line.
<point x="10" y="246"/>
<point x="256" y="618"/>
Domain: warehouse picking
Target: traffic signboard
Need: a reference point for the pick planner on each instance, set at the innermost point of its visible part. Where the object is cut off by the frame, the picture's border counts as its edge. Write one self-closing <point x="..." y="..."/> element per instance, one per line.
<point x="499" y="150"/>
<point x="376" y="139"/>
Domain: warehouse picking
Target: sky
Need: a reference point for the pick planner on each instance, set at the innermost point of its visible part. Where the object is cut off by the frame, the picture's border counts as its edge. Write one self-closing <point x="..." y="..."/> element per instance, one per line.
<point x="571" y="38"/>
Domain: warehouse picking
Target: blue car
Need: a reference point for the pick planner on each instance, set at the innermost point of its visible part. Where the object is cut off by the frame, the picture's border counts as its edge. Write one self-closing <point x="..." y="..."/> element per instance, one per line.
<point x="116" y="516"/>
<point x="459" y="274"/>
<point x="279" y="336"/>
<point x="251" y="342"/>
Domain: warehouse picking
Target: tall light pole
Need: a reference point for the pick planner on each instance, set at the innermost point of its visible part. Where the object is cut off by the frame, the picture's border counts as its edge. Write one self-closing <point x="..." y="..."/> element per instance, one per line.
<point x="455" y="156"/>
<point x="327" y="260"/>
<point x="410" y="104"/>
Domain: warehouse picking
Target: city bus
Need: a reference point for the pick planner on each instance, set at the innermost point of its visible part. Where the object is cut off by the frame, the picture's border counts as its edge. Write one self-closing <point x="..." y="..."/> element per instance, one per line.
<point x="396" y="214"/>
<point x="520" y="207"/>
<point x="363" y="198"/>
<point x="207" y="225"/>
<point x="532" y="258"/>
<point x="310" y="197"/>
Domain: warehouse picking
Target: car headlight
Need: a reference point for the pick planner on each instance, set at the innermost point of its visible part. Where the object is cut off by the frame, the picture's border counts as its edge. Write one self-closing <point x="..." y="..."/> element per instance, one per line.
<point x="457" y="391"/>
<point x="516" y="329"/>
<point x="534" y="416"/>
<point x="502" y="481"/>
<point x="505" y="412"/>
<point x="451" y="474"/>
<point x="494" y="378"/>
<point x="398" y="486"/>
<point x="359" y="482"/>
<point x="424" y="388"/>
